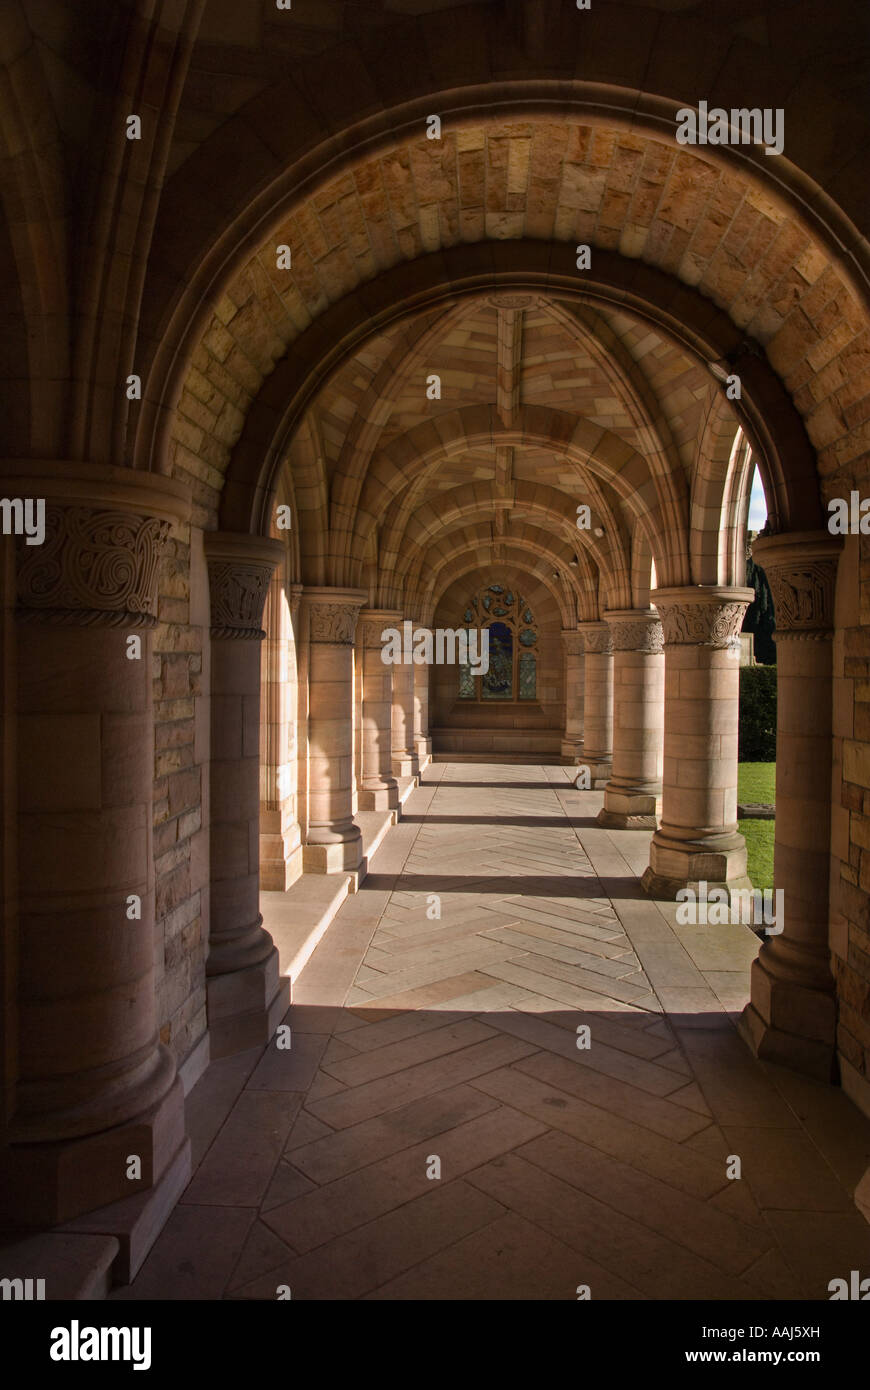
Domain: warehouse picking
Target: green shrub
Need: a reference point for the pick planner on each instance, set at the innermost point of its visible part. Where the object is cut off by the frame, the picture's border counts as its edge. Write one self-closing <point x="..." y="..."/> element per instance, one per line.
<point x="757" y="738"/>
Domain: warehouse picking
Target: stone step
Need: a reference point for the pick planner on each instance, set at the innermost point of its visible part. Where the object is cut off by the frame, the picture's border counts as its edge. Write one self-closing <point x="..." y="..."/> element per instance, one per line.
<point x="74" y="1267"/>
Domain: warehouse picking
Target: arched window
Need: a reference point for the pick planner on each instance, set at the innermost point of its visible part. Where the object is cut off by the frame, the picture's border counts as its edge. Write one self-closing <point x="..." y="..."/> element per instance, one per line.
<point x="513" y="637"/>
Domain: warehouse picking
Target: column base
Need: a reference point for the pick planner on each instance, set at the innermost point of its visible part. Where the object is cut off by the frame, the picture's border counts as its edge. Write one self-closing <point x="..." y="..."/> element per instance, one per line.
<point x="384" y="797"/>
<point x="136" y="1222"/>
<point x="600" y="771"/>
<point x="280" y="861"/>
<point x="49" y="1183"/>
<point x="717" y="860"/>
<point x="809" y="1056"/>
<point x="624" y="820"/>
<point x="245" y="1006"/>
<point x="336" y="856"/>
<point x="629" y="810"/>
<point x="572" y="750"/>
<point x="403" y="766"/>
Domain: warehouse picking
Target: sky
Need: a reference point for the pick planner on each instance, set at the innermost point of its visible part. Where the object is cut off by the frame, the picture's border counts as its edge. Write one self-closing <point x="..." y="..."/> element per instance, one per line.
<point x="757" y="504"/>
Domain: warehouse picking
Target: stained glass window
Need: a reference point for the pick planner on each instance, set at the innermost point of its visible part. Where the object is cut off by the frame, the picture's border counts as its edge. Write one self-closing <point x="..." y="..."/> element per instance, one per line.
<point x="498" y="683"/>
<point x="528" y="676"/>
<point x="513" y="666"/>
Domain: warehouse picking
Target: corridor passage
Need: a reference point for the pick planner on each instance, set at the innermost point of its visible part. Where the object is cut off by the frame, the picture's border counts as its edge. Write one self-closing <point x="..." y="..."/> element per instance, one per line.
<point x="435" y="1030"/>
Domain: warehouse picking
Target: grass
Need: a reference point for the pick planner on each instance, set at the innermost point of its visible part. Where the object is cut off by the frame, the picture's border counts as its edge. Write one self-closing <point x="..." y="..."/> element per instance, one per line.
<point x="757" y="782"/>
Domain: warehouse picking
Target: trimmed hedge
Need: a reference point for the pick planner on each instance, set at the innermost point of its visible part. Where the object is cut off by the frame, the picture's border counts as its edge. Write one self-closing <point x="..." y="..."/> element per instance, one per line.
<point x="757" y="736"/>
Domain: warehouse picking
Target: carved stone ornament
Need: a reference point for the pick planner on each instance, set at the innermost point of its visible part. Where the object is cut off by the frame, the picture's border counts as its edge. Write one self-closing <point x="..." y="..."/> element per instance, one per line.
<point x="708" y="622"/>
<point x="637" y="633"/>
<point x="512" y="301"/>
<point x="598" y="638"/>
<point x="803" y="598"/>
<point x="371" y="622"/>
<point x="238" y="591"/>
<point x="573" y="643"/>
<point x="94" y="568"/>
<point x="334" y="622"/>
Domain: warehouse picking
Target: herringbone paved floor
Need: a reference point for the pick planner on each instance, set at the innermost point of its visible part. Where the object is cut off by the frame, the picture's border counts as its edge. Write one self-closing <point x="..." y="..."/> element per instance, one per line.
<point x="437" y="1024"/>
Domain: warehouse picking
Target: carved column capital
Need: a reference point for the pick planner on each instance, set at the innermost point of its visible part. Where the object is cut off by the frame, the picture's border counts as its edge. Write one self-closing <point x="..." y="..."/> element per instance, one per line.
<point x="332" y="615"/>
<point x="572" y="641"/>
<point x="101" y="536"/>
<point x="801" y="567"/>
<point x="240" y="569"/>
<point x="706" y="615"/>
<point x="373" y="621"/>
<point x="636" y="630"/>
<point x="597" y="637"/>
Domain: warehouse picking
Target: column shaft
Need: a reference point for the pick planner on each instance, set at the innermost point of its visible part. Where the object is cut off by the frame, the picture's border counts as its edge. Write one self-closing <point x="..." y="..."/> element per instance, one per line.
<point x="598" y="702"/>
<point x="334" y="840"/>
<point x="632" y="797"/>
<point x="280" y="835"/>
<point x="246" y="994"/>
<point x="405" y="760"/>
<point x="380" y="790"/>
<point x="422" y="740"/>
<point x="698" y="838"/>
<point x="791" y="1018"/>
<point x="93" y="1083"/>
<point x="573" y="733"/>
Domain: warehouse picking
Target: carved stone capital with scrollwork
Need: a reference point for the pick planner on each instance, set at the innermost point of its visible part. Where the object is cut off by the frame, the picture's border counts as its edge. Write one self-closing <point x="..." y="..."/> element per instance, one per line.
<point x="703" y="616"/>
<point x="801" y="568"/>
<point x="105" y="530"/>
<point x="372" y="622"/>
<point x="597" y="638"/>
<point x="94" y="568"/>
<point x="572" y="641"/>
<point x="636" y="630"/>
<point x="333" y="614"/>
<point x="240" y="569"/>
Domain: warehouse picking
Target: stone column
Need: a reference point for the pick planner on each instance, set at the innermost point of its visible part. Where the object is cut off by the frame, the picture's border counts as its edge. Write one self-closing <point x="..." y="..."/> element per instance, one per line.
<point x="572" y="737"/>
<point x="422" y="675"/>
<point x="405" y="760"/>
<point x="791" y="1018"/>
<point x="698" y="837"/>
<point x="598" y="702"/>
<point x="246" y="994"/>
<point x="91" y="1082"/>
<point x="334" y="840"/>
<point x="280" y="835"/>
<point x="380" y="790"/>
<point x="632" y="797"/>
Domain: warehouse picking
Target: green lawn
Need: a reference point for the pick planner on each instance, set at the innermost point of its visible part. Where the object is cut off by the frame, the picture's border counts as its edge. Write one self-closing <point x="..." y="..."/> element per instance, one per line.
<point x="757" y="782"/>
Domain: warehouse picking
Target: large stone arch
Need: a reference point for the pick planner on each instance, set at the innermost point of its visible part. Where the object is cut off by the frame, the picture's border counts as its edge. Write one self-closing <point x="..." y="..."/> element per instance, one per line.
<point x="766" y="413"/>
<point x="270" y="150"/>
<point x="520" y="559"/>
<point x="461" y="507"/>
<point x="475" y="538"/>
<point x="417" y="524"/>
